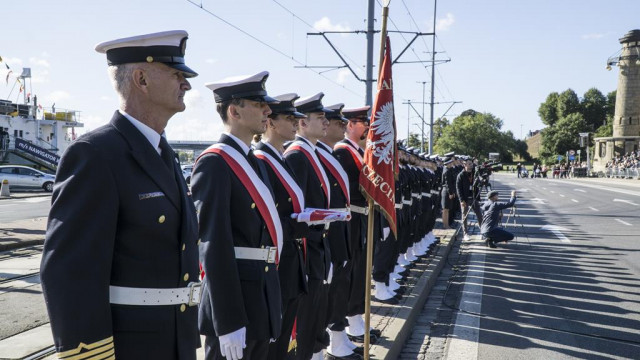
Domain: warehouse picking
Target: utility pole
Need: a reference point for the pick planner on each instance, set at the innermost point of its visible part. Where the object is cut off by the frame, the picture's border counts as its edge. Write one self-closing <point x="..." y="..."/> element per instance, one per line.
<point x="369" y="79"/>
<point x="431" y="128"/>
<point x="408" y="120"/>
<point x="433" y="72"/>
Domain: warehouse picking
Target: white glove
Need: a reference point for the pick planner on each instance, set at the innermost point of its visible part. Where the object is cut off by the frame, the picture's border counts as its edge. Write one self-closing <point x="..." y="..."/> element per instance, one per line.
<point x="330" y="276"/>
<point x="231" y="344"/>
<point x="385" y="233"/>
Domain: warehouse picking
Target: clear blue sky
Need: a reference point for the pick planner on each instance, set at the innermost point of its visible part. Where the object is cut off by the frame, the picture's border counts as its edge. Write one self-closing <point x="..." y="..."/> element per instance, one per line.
<point x="506" y="55"/>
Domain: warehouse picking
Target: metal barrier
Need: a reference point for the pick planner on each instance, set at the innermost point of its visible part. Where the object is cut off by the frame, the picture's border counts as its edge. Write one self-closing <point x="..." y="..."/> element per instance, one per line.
<point x="630" y="173"/>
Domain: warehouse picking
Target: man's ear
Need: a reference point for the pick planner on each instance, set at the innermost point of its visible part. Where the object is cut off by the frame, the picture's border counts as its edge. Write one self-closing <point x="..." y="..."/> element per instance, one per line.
<point x="139" y="79"/>
<point x="232" y="111"/>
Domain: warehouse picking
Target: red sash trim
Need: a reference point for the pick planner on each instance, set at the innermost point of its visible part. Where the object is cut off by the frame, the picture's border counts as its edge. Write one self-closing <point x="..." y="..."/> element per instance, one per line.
<point x="337" y="171"/>
<point x="357" y="158"/>
<point x="315" y="163"/>
<point x="256" y="188"/>
<point x="294" y="191"/>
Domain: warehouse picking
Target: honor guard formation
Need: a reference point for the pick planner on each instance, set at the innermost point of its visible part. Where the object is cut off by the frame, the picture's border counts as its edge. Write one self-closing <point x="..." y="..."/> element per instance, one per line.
<point x="264" y="255"/>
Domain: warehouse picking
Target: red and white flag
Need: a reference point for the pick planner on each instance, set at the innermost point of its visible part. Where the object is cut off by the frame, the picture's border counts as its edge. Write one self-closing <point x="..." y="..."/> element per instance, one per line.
<point x="377" y="178"/>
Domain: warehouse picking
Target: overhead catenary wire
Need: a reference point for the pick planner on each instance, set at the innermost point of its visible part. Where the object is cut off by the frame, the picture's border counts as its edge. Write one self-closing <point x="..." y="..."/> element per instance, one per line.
<point x="199" y="5"/>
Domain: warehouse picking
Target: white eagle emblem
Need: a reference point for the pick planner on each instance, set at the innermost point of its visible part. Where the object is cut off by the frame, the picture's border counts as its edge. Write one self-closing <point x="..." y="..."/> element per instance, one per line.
<point x="383" y="131"/>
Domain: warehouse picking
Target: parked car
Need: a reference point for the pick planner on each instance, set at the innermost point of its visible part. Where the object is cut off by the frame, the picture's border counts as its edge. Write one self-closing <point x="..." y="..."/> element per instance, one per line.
<point x="24" y="177"/>
<point x="186" y="172"/>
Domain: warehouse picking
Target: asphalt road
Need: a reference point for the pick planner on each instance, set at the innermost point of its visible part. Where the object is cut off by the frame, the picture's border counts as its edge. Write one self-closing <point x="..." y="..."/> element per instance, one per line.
<point x="24" y="208"/>
<point x="567" y="287"/>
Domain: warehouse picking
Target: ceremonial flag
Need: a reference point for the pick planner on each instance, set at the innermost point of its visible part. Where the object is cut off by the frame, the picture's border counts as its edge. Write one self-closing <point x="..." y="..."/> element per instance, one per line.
<point x="377" y="178"/>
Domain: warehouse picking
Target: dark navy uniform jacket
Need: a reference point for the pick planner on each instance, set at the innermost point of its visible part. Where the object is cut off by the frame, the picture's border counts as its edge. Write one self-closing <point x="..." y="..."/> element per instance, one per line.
<point x="119" y="217"/>
<point x="236" y="292"/>
<point x="318" y="249"/>
<point x="338" y="231"/>
<point x="358" y="223"/>
<point x="291" y="269"/>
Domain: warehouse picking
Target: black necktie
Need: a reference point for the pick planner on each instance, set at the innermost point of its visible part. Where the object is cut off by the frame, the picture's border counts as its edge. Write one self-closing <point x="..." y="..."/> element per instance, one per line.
<point x="167" y="153"/>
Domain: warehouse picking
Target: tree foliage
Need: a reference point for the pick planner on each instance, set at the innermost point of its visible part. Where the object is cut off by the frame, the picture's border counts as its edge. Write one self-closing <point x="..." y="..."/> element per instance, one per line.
<point x="476" y="134"/>
<point x="566" y="116"/>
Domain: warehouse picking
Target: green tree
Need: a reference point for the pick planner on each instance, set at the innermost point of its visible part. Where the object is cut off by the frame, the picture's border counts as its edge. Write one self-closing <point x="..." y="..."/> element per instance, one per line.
<point x="568" y="103"/>
<point x="438" y="127"/>
<point x="594" y="108"/>
<point x="476" y="134"/>
<point x="564" y="136"/>
<point x="548" y="110"/>
<point x="414" y="140"/>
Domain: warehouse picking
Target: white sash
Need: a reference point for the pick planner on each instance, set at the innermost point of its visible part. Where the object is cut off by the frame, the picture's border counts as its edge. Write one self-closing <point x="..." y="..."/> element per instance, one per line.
<point x="290" y="182"/>
<point x="306" y="148"/>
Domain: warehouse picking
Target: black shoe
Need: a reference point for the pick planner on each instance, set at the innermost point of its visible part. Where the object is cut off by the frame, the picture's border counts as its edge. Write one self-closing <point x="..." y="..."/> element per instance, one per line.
<point x="360" y="339"/>
<point x="375" y="332"/>
<point x="389" y="301"/>
<point x="359" y="350"/>
<point x="352" y="356"/>
<point x="490" y="244"/>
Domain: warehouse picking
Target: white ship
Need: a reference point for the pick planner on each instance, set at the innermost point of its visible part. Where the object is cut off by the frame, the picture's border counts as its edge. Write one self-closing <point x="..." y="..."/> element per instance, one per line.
<point x="31" y="134"/>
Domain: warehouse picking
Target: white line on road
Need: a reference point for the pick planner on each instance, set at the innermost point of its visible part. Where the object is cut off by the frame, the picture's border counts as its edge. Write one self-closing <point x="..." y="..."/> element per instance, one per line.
<point x="579" y="190"/>
<point x="561" y="195"/>
<point x="592" y="208"/>
<point x="574" y="200"/>
<point x="544" y="188"/>
<point x="623" y="222"/>
<point x="466" y="333"/>
<point x="553" y="192"/>
<point x="556" y="230"/>
<point x="625" y="201"/>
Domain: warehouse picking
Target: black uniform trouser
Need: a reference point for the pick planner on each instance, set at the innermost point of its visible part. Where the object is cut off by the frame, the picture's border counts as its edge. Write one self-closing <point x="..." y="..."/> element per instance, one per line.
<point x="312" y="320"/>
<point x="255" y="350"/>
<point x="339" y="296"/>
<point x="280" y="348"/>
<point x="384" y="259"/>
<point x="359" y="265"/>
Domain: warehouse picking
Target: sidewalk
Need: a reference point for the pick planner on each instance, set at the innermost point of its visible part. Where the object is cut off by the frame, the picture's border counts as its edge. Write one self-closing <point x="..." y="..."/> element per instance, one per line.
<point x="586" y="180"/>
<point x="22" y="233"/>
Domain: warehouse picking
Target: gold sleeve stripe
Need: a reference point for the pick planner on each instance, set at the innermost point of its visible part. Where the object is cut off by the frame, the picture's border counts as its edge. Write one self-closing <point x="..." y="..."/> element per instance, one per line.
<point x="95" y="354"/>
<point x="82" y="346"/>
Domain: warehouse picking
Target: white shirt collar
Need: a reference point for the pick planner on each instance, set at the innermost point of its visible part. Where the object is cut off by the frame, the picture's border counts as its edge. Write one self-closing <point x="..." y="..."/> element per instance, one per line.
<point x="313" y="146"/>
<point x="273" y="148"/>
<point x="355" y="144"/>
<point x="242" y="145"/>
<point x="327" y="146"/>
<point x="152" y="136"/>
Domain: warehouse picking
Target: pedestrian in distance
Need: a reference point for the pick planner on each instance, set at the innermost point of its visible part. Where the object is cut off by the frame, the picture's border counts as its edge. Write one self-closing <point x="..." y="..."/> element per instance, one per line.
<point x="492" y="233"/>
<point x="120" y="261"/>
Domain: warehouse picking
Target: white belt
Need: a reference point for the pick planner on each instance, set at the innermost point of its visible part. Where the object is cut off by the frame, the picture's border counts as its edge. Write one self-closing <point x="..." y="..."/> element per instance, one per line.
<point x="398" y="206"/>
<point x="425" y="194"/>
<point x="189" y="295"/>
<point x="267" y="254"/>
<point x="435" y="192"/>
<point x="360" y="209"/>
<point x="407" y="202"/>
<point x="415" y="195"/>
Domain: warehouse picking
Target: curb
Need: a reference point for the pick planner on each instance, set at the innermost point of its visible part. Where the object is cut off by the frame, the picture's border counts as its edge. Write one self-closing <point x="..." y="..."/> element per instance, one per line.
<point x="11" y="197"/>
<point x="394" y="336"/>
<point x="21" y="244"/>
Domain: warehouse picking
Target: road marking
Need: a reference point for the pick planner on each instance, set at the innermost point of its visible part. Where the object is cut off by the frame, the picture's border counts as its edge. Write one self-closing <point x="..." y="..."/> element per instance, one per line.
<point x="544" y="188"/>
<point x="28" y="342"/>
<point x="625" y="201"/>
<point x="623" y="222"/>
<point x="35" y="200"/>
<point x="553" y="192"/>
<point x="556" y="230"/>
<point x="592" y="208"/>
<point x="561" y="195"/>
<point x="574" y="200"/>
<point x="579" y="190"/>
<point x="466" y="333"/>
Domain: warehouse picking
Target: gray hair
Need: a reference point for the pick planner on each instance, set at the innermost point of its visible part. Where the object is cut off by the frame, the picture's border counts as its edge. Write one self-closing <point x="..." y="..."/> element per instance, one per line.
<point x="120" y="76"/>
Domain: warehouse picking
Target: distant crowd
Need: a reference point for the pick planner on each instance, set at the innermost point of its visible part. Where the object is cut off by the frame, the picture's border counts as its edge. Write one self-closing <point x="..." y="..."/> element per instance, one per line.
<point x="627" y="161"/>
<point x="556" y="171"/>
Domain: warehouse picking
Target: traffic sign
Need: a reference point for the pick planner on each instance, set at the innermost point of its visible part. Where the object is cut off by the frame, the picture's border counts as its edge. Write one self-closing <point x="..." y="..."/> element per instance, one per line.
<point x="578" y="151"/>
<point x="571" y="152"/>
<point x="572" y="157"/>
<point x="560" y="157"/>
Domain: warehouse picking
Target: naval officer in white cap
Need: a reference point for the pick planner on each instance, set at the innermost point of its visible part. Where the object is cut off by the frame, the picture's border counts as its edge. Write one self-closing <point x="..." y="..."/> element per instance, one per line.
<point x="120" y="261"/>
<point x="240" y="230"/>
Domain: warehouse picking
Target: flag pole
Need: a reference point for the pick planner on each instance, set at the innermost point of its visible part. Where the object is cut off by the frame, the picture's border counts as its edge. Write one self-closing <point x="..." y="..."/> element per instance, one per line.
<point x="367" y="288"/>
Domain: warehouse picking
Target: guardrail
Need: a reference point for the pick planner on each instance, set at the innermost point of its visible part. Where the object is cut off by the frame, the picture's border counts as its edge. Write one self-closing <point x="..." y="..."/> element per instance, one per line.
<point x="630" y="173"/>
